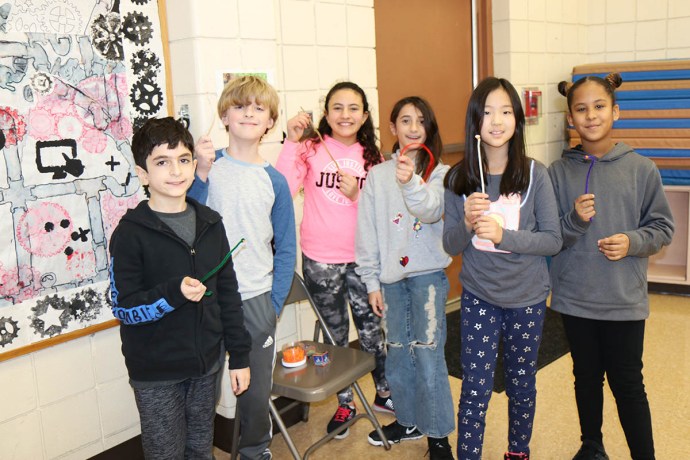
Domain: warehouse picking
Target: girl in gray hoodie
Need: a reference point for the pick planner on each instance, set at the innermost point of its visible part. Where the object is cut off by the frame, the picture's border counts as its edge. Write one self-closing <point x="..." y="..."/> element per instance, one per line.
<point x="614" y="215"/>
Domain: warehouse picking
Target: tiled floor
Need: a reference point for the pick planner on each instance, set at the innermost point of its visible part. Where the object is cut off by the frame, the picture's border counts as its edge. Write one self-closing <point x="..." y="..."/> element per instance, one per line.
<point x="556" y="433"/>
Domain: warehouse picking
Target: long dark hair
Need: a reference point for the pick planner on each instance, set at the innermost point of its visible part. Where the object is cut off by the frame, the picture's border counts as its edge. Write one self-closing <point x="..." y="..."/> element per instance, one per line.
<point x="463" y="178"/>
<point x="433" y="137"/>
<point x="365" y="136"/>
<point x="609" y="83"/>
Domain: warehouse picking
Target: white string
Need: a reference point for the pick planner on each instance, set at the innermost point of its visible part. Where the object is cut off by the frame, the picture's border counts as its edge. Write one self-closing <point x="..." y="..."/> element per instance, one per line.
<point x="479" y="157"/>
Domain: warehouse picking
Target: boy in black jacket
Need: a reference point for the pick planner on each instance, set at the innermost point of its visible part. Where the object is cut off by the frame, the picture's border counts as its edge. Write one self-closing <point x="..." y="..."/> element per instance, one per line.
<point x="174" y="328"/>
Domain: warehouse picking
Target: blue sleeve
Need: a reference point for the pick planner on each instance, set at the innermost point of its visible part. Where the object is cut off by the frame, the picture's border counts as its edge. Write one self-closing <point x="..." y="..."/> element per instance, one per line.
<point x="199" y="188"/>
<point x="284" y="238"/>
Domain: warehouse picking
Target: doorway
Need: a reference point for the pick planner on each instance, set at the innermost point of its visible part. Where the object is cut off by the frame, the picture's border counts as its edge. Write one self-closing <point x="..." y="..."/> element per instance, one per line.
<point x="425" y="49"/>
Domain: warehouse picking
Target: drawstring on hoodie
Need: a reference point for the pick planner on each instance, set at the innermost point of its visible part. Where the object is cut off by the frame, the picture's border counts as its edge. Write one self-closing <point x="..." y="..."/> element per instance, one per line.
<point x="593" y="160"/>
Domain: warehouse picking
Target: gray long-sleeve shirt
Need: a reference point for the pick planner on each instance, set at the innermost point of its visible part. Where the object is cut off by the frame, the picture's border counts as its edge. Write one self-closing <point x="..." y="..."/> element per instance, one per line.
<point x="399" y="226"/>
<point x="519" y="277"/>
<point x="629" y="199"/>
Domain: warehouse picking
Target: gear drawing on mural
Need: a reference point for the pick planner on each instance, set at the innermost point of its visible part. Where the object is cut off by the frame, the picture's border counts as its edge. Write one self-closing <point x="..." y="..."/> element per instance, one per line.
<point x="146" y="96"/>
<point x="145" y="63"/>
<point x="106" y="36"/>
<point x="137" y="28"/>
<point x="8" y="331"/>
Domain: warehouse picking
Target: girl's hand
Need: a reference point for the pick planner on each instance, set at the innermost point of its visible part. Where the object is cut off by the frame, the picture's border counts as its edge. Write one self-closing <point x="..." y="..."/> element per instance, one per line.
<point x="205" y="155"/>
<point x="349" y="186"/>
<point x="488" y="228"/>
<point x="296" y="126"/>
<point x="239" y="380"/>
<point x="376" y="302"/>
<point x="614" y="247"/>
<point x="404" y="170"/>
<point x="584" y="207"/>
<point x="192" y="289"/>
<point x="475" y="206"/>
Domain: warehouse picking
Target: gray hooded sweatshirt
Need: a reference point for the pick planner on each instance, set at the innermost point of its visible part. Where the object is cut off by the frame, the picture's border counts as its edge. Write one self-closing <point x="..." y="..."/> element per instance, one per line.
<point x="399" y="226"/>
<point x="629" y="199"/>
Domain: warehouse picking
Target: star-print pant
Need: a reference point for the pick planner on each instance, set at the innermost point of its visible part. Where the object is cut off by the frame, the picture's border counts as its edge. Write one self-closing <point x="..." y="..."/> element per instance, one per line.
<point x="482" y="326"/>
<point x="329" y="284"/>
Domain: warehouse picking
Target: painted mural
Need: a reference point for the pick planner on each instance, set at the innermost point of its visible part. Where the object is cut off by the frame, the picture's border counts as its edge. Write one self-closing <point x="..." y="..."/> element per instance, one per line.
<point x="76" y="78"/>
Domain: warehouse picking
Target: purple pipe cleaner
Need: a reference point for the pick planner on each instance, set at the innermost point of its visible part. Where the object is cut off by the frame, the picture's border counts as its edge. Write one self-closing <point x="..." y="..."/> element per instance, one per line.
<point x="593" y="160"/>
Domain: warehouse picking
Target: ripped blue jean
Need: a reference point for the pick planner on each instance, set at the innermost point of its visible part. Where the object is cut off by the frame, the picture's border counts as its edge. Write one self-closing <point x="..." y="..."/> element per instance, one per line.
<point x="415" y="326"/>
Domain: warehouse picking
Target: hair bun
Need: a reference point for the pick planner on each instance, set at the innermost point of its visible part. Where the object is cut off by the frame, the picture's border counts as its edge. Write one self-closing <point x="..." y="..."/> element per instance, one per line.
<point x="614" y="79"/>
<point x="564" y="87"/>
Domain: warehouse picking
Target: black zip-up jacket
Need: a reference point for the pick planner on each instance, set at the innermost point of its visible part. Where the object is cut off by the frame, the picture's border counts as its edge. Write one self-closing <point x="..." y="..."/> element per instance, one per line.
<point x="164" y="335"/>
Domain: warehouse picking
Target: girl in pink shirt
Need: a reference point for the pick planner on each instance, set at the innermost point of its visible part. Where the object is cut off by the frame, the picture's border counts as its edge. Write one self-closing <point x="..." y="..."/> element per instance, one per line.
<point x="331" y="192"/>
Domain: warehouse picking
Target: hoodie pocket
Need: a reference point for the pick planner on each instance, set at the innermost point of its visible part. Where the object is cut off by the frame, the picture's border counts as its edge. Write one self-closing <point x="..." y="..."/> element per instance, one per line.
<point x="592" y="277"/>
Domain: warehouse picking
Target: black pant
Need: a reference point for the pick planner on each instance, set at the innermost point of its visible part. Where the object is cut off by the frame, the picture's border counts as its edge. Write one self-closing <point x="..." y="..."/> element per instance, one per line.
<point x="614" y="348"/>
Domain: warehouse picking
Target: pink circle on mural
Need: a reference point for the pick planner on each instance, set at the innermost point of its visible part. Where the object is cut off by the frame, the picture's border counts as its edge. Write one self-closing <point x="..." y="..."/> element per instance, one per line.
<point x="81" y="264"/>
<point x="41" y="124"/>
<point x="44" y="230"/>
<point x="121" y="130"/>
<point x="69" y="127"/>
<point x="94" y="141"/>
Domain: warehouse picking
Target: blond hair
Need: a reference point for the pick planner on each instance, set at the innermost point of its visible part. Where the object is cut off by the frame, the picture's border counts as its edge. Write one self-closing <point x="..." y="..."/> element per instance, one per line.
<point x="242" y="90"/>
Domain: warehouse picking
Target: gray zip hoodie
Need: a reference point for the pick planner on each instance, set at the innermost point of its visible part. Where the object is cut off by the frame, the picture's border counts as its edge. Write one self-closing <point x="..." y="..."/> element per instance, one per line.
<point x="399" y="226"/>
<point x="629" y="199"/>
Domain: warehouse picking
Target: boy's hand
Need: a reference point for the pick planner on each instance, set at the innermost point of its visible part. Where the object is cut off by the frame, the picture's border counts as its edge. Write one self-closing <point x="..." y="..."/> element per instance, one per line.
<point x="614" y="247"/>
<point x="488" y="228"/>
<point x="376" y="302"/>
<point x="205" y="155"/>
<point x="349" y="186"/>
<point x="584" y="207"/>
<point x="192" y="289"/>
<point x="404" y="169"/>
<point x="475" y="206"/>
<point x="296" y="126"/>
<point x="239" y="379"/>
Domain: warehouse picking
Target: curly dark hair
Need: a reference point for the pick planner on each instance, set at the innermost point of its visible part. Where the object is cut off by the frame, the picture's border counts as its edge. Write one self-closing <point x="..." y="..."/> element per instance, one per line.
<point x="365" y="136"/>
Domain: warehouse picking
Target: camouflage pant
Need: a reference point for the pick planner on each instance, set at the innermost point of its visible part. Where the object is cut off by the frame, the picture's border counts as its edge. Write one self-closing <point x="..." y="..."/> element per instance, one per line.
<point x="328" y="285"/>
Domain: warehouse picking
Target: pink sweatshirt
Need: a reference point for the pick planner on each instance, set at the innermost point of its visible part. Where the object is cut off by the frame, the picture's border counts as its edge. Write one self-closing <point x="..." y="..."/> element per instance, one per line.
<point x="329" y="220"/>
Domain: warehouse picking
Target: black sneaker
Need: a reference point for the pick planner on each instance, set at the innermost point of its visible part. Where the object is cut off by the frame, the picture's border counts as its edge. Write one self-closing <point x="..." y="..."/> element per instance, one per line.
<point x="591" y="450"/>
<point x="384" y="404"/>
<point x="342" y="415"/>
<point x="395" y="433"/>
<point x="439" y="449"/>
<point x="515" y="456"/>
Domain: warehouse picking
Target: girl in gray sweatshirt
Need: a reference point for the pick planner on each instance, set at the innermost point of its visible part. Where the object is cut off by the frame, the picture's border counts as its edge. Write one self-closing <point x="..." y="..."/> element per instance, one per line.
<point x="401" y="260"/>
<point x="614" y="215"/>
<point x="501" y="215"/>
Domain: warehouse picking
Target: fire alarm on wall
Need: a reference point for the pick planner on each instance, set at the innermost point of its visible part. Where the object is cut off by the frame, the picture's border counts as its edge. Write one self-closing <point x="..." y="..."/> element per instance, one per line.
<point x="532" y="101"/>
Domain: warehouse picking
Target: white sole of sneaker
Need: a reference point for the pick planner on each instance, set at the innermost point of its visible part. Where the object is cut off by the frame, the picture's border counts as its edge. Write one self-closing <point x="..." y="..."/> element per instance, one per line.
<point x="343" y="435"/>
<point x="375" y="442"/>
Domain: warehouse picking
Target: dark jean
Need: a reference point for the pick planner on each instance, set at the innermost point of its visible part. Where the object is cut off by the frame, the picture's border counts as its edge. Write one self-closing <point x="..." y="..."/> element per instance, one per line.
<point x="613" y="348"/>
<point x="415" y="325"/>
